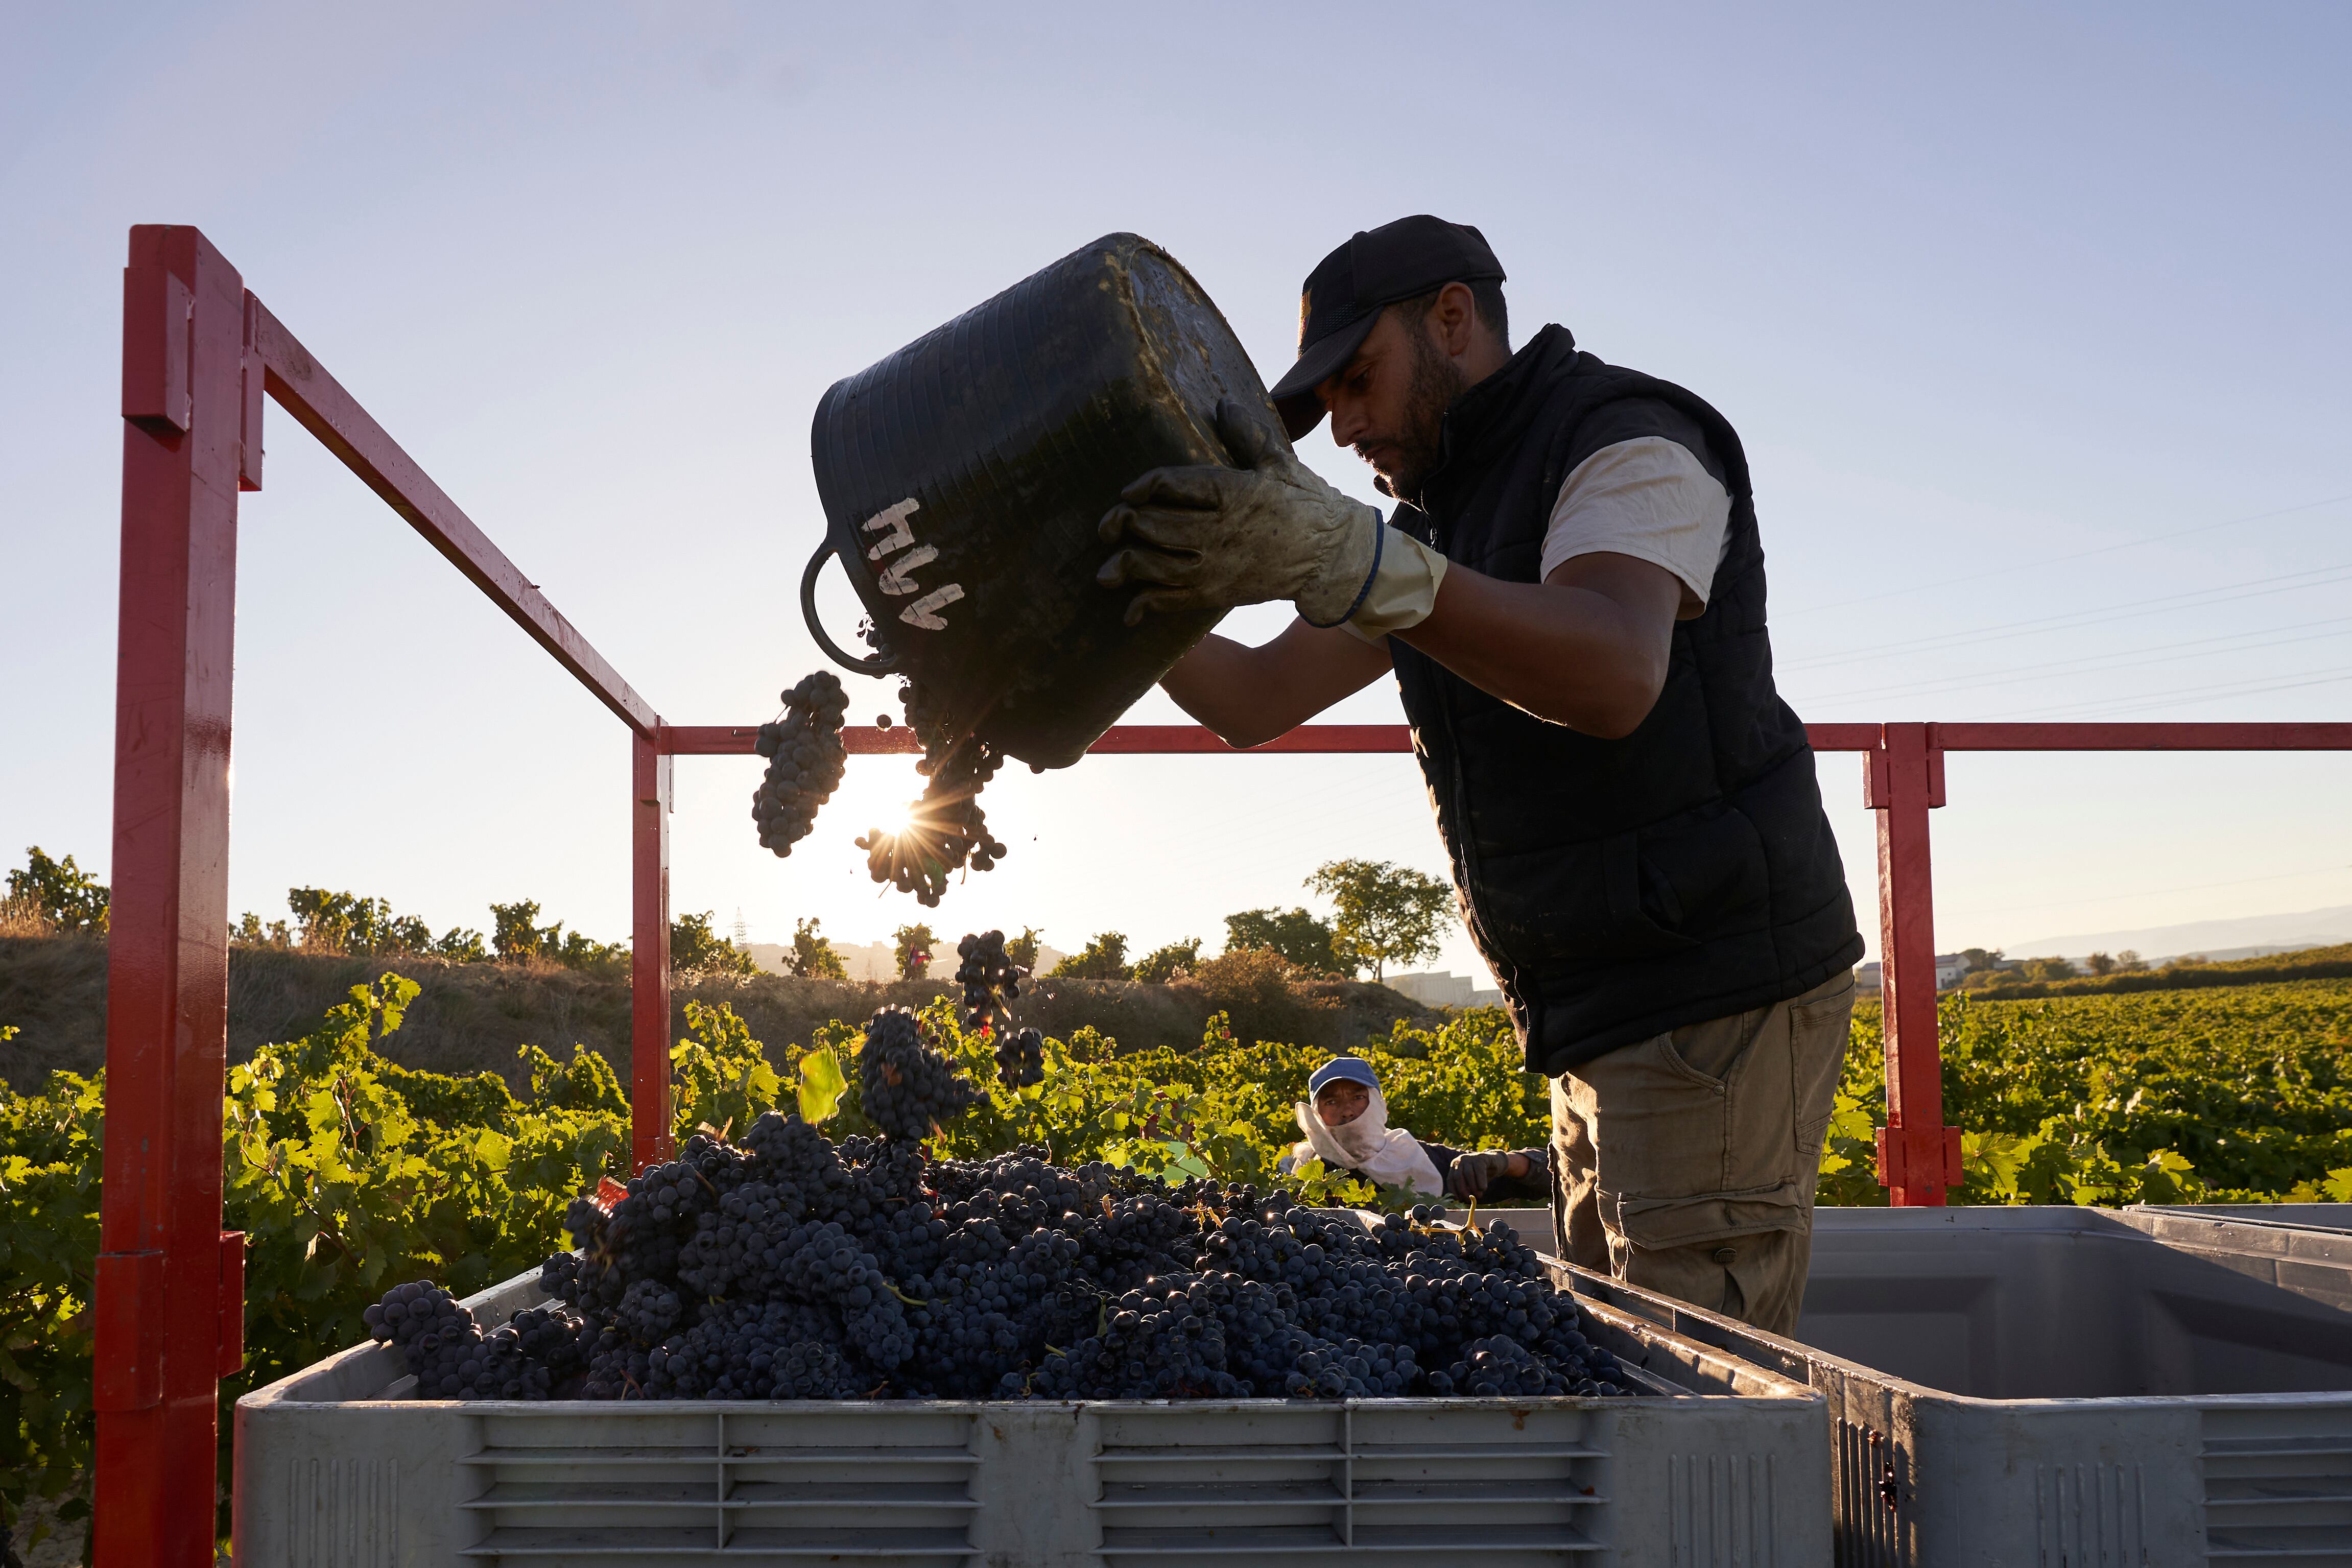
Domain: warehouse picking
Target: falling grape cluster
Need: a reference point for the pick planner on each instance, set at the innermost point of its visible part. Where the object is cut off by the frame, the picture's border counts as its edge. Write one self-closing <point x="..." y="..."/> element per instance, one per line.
<point x="1021" y="1058"/>
<point x="792" y="1267"/>
<point x="946" y="829"/>
<point x="806" y="761"/>
<point x="990" y="981"/>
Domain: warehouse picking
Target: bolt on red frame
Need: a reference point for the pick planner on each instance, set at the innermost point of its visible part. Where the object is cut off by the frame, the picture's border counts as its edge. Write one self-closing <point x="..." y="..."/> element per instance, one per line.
<point x="199" y="350"/>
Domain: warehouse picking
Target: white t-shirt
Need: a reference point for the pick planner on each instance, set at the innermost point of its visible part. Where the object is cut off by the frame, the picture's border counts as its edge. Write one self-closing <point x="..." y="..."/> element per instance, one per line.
<point x="1647" y="498"/>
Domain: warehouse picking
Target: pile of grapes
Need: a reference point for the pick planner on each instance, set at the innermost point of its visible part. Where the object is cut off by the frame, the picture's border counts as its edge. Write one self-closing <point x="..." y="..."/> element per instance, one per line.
<point x="790" y="1267"/>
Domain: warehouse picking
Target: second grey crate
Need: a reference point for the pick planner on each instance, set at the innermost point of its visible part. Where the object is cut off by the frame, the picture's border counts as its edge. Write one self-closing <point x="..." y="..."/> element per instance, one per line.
<point x="2070" y="1386"/>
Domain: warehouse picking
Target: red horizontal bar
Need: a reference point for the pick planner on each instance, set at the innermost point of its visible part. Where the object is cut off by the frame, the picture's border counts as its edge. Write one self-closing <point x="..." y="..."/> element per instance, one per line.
<point x="1165" y="739"/>
<point x="1132" y="739"/>
<point x="1843" y="737"/>
<point x="2115" y="737"/>
<point x="1127" y="739"/>
<point x="321" y="406"/>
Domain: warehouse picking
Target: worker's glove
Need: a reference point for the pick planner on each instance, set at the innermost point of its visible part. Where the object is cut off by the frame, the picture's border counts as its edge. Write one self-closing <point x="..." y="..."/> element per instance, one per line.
<point x="1213" y="537"/>
<point x="1474" y="1174"/>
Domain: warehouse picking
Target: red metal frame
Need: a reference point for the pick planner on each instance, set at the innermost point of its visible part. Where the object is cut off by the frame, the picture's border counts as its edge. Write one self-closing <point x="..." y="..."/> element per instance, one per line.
<point x="1902" y="780"/>
<point x="198" y="354"/>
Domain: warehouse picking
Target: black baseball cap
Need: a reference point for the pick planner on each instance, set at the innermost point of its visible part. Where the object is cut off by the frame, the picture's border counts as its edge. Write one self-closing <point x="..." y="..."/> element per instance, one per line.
<point x="1343" y="296"/>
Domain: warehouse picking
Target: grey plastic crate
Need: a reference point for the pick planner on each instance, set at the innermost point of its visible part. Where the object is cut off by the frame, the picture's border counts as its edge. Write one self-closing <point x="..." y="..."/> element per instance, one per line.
<point x="2069" y="1387"/>
<point x="1723" y="1463"/>
<point x="2303" y="1216"/>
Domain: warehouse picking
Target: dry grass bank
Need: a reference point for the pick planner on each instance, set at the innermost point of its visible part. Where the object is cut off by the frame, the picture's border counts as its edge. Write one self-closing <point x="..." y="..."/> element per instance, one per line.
<point x="469" y="1017"/>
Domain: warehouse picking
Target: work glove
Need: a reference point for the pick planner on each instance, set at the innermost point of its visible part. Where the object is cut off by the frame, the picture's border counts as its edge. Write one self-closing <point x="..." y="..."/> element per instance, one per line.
<point x="1474" y="1174"/>
<point x="1213" y="537"/>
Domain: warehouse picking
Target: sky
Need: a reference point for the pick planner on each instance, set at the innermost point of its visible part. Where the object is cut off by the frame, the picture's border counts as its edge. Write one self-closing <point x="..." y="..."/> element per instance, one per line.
<point x="2032" y="321"/>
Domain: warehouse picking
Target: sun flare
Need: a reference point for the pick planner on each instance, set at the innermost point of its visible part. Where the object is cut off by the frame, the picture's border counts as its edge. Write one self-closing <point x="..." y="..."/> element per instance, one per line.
<point x="875" y="792"/>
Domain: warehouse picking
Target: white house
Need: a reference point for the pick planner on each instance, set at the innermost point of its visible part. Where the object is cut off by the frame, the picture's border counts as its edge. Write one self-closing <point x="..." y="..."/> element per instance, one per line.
<point x="1443" y="988"/>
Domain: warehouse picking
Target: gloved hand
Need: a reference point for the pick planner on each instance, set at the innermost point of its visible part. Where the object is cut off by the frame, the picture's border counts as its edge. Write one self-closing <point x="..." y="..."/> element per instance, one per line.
<point x="1474" y="1174"/>
<point x="1212" y="537"/>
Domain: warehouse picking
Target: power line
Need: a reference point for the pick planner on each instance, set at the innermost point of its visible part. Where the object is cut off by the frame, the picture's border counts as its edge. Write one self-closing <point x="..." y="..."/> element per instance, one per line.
<point x="2254" y="587"/>
<point x="2040" y="562"/>
<point x="2097" y="663"/>
<point x="2253" y="687"/>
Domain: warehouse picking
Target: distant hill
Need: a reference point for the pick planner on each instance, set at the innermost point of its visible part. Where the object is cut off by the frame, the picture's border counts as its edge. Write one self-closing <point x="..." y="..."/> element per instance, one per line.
<point x="2246" y="937"/>
<point x="2333" y="962"/>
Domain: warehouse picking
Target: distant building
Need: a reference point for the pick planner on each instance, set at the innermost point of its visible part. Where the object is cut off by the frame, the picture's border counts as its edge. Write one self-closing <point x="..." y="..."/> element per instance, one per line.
<point x="1443" y="988"/>
<point x="1949" y="968"/>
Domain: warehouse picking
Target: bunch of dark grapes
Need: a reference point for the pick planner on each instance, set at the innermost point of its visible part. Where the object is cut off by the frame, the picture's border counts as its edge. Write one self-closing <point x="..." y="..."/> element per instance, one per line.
<point x="451" y="1358"/>
<point x="990" y="981"/>
<point x="906" y="1087"/>
<point x="1021" y="1058"/>
<point x="806" y="761"/>
<point x="790" y="1267"/>
<point x="946" y="829"/>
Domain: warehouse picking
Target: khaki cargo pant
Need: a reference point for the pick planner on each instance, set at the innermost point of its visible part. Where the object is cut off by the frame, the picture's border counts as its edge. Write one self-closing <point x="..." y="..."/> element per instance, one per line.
<point x="1685" y="1164"/>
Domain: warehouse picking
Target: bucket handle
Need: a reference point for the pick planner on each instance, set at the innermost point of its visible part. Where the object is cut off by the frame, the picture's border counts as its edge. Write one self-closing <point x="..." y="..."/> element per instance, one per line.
<point x="876" y="664"/>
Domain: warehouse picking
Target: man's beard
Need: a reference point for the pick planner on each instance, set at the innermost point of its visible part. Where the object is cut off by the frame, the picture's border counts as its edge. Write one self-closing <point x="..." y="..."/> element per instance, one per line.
<point x="1419" y="444"/>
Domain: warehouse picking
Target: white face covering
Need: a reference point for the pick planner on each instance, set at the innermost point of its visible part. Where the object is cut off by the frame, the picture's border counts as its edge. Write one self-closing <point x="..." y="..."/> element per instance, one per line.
<point x="1389" y="1155"/>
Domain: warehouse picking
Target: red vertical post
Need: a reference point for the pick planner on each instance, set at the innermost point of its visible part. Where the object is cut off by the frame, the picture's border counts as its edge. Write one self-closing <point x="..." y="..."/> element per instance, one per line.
<point x="1918" y="1156"/>
<point x="159" y="1295"/>
<point x="650" y="1109"/>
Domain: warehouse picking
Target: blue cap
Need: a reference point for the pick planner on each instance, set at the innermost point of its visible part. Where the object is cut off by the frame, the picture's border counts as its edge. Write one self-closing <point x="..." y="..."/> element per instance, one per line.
<point x="1355" y="1069"/>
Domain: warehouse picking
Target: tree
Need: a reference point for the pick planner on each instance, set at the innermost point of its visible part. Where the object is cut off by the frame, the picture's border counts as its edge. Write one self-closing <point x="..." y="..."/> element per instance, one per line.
<point x="813" y="956"/>
<point x="251" y="932"/>
<point x="1023" y="949"/>
<point x="346" y="923"/>
<point x="1105" y="958"/>
<point x="1980" y="958"/>
<point x="1387" y="913"/>
<point x="2049" y="969"/>
<point x="2099" y="964"/>
<point x="1302" y="940"/>
<point x="1162" y="964"/>
<point x="581" y="951"/>
<point x="915" y="943"/>
<point x="459" y="944"/>
<point x="2130" y="962"/>
<point x="515" y="932"/>
<point x="65" y="895"/>
<point x="693" y="945"/>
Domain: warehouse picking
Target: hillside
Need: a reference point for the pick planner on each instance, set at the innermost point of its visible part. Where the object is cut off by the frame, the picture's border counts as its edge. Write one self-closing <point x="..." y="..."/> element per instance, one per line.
<point x="2269" y="969"/>
<point x="470" y="1016"/>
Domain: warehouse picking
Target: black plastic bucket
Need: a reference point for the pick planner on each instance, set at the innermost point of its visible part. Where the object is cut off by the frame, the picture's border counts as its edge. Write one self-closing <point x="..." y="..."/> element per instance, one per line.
<point x="964" y="477"/>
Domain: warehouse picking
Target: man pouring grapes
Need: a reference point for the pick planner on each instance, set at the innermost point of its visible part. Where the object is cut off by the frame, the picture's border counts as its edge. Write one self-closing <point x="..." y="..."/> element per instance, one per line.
<point x="1569" y="591"/>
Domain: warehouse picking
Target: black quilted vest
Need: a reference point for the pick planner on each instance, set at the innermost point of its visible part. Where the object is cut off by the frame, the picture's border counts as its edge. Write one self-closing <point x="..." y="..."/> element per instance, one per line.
<point x="1620" y="889"/>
